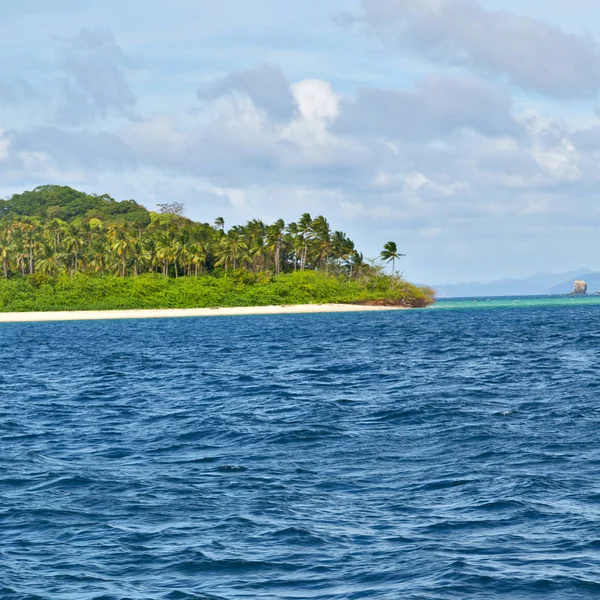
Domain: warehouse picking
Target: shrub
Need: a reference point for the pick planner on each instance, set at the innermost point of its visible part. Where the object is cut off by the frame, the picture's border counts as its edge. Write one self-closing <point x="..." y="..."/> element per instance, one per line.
<point x="241" y="288"/>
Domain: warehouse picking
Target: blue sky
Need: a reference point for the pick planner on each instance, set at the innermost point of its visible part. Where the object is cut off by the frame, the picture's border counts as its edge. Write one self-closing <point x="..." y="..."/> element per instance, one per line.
<point x="467" y="131"/>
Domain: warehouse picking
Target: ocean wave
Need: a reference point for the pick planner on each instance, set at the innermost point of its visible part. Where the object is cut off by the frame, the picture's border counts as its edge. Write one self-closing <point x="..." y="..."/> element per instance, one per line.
<point x="441" y="454"/>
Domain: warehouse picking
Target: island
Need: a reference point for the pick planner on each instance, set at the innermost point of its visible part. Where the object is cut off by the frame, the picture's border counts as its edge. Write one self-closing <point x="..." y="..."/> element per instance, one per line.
<point x="66" y="250"/>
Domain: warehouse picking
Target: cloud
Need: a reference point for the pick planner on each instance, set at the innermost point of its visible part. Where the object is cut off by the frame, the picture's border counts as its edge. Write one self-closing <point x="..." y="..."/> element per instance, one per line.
<point x="266" y="85"/>
<point x="461" y="33"/>
<point x="438" y="106"/>
<point x="316" y="100"/>
<point x="94" y="79"/>
<point x="328" y="140"/>
<point x="449" y="154"/>
<point x="237" y="143"/>
<point x="451" y="150"/>
<point x="74" y="149"/>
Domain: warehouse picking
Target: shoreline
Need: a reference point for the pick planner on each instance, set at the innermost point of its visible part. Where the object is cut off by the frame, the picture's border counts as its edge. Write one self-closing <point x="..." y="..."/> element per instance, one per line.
<point x="162" y="313"/>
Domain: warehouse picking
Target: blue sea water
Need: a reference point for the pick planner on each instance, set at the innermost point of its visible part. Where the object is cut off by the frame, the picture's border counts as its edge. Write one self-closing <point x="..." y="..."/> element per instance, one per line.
<point x="431" y="454"/>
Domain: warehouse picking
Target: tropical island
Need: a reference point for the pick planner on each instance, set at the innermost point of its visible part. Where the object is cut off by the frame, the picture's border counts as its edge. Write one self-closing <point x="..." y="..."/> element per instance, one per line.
<point x="66" y="250"/>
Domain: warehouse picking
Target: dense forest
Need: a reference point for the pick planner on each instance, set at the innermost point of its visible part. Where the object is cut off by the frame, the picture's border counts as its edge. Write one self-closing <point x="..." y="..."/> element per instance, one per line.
<point x="55" y="232"/>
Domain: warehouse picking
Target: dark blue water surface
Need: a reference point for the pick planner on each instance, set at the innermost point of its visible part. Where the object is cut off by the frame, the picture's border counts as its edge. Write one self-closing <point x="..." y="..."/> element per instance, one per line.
<point x="445" y="454"/>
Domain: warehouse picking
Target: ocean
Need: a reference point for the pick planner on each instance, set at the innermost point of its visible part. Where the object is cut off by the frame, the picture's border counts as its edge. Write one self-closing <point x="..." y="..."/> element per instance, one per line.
<point x="444" y="453"/>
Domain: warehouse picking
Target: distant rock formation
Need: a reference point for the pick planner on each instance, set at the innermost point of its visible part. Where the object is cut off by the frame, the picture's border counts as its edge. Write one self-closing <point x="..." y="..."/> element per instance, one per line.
<point x="580" y="287"/>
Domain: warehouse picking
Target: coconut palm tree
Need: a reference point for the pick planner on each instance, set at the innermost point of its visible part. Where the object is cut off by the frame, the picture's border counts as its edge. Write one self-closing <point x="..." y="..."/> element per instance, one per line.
<point x="356" y="263"/>
<point x="322" y="236"/>
<point x="5" y="249"/>
<point x="197" y="257"/>
<point x="275" y="237"/>
<point x="390" y="254"/>
<point x="73" y="243"/>
<point x="119" y="244"/>
<point x="113" y="243"/>
<point x="305" y="229"/>
<point x="50" y="262"/>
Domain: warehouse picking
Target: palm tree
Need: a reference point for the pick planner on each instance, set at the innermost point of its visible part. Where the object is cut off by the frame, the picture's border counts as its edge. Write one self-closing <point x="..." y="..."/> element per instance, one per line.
<point x="137" y="253"/>
<point x="30" y="228"/>
<point x="150" y="254"/>
<point x="197" y="256"/>
<point x="305" y="229"/>
<point x="294" y="242"/>
<point x="119" y="244"/>
<point x="73" y="243"/>
<point x="322" y="234"/>
<point x="114" y="243"/>
<point x="50" y="263"/>
<point x="163" y="253"/>
<point x="343" y="248"/>
<point x="232" y="248"/>
<point x="356" y="262"/>
<point x="274" y="242"/>
<point x="390" y="254"/>
<point x="54" y="230"/>
<point x="5" y="249"/>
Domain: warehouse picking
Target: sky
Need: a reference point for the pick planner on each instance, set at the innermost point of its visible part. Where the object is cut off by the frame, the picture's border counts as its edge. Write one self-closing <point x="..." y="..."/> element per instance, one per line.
<point x="468" y="131"/>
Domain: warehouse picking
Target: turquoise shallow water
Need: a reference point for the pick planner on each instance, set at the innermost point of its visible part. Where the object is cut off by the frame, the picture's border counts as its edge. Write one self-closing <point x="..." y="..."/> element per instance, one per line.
<point x="518" y="302"/>
<point x="431" y="454"/>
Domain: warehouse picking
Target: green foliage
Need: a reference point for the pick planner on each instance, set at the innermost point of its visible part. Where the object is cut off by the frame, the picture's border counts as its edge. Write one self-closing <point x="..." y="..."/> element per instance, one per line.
<point x="88" y="292"/>
<point x="68" y="204"/>
<point x="390" y="254"/>
<point x="64" y="249"/>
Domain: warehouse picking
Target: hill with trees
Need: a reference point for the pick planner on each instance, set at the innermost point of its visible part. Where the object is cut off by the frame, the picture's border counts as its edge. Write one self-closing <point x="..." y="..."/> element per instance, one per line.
<point x="64" y="249"/>
<point x="67" y="204"/>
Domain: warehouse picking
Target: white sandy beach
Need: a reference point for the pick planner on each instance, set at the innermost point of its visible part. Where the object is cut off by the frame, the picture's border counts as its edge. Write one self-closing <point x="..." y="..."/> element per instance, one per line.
<point x="96" y="315"/>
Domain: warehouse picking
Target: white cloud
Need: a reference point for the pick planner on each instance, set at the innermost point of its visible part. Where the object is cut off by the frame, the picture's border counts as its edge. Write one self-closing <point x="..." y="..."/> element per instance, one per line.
<point x="316" y="100"/>
<point x="94" y="78"/>
<point x="433" y="158"/>
<point x="437" y="106"/>
<point x="266" y="85"/>
<point x="552" y="147"/>
<point x="461" y="33"/>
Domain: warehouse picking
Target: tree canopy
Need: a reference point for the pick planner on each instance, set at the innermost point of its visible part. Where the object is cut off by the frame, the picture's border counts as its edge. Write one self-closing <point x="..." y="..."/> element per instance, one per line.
<point x="56" y="229"/>
<point x="68" y="204"/>
<point x="64" y="249"/>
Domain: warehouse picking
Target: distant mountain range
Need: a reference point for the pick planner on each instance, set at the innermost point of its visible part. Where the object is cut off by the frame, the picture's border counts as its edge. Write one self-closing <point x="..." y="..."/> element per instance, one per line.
<point x="539" y="284"/>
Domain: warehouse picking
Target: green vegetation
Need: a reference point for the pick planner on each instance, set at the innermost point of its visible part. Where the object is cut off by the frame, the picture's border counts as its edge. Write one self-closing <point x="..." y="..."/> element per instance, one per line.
<point x="390" y="253"/>
<point x="61" y="249"/>
<point x="88" y="292"/>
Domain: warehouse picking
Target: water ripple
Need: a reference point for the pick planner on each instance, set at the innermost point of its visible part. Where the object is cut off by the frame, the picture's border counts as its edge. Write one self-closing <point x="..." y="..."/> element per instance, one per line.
<point x="439" y="455"/>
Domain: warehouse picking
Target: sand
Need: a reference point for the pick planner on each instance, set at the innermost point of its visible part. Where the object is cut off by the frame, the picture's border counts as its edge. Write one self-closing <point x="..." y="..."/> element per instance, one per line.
<point x="97" y="315"/>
